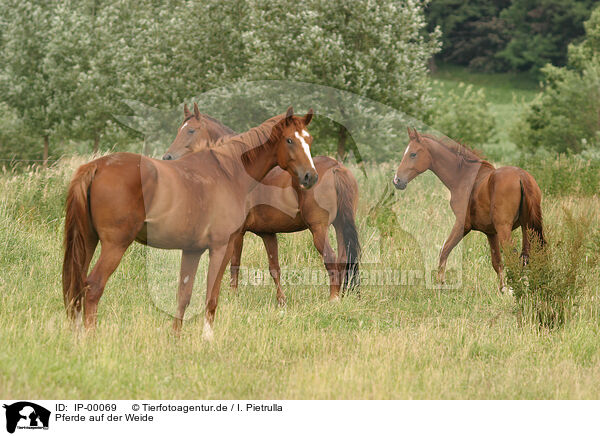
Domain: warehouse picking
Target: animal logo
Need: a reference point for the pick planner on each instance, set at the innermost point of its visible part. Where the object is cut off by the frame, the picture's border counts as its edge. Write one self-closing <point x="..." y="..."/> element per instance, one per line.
<point x="24" y="414"/>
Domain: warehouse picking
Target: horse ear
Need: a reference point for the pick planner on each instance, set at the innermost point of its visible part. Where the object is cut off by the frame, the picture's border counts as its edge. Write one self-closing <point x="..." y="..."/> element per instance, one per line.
<point x="186" y="111"/>
<point x="289" y="114"/>
<point x="196" y="111"/>
<point x="417" y="136"/>
<point x="308" y="117"/>
<point x="411" y="134"/>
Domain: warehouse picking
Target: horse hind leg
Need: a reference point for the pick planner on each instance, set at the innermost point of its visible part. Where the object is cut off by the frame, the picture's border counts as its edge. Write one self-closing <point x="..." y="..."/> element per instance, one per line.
<point x="342" y="258"/>
<point x="321" y="241"/>
<point x="91" y="244"/>
<point x="526" y="245"/>
<point x="110" y="256"/>
<point x="504" y="243"/>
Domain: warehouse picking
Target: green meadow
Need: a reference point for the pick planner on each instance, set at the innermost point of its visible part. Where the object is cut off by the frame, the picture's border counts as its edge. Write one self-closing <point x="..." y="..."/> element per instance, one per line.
<point x="393" y="341"/>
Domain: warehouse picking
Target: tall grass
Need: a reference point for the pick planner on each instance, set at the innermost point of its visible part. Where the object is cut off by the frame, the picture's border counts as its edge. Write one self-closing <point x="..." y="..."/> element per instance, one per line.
<point x="404" y="341"/>
<point x="550" y="287"/>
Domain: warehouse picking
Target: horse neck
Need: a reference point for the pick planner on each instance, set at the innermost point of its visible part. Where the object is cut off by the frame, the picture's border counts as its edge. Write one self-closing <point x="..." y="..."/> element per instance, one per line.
<point x="215" y="133"/>
<point x="257" y="163"/>
<point x="453" y="171"/>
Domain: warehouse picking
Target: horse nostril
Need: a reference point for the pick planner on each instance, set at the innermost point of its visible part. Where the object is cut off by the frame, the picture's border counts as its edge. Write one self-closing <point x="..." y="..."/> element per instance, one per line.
<point x="168" y="156"/>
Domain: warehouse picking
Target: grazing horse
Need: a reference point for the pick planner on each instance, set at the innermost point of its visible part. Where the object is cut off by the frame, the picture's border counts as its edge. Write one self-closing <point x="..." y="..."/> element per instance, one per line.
<point x="280" y="205"/>
<point x="192" y="204"/>
<point x="492" y="201"/>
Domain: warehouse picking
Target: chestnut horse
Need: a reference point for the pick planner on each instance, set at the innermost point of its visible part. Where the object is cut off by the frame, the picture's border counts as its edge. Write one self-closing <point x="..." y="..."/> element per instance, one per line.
<point x="492" y="201"/>
<point x="279" y="205"/>
<point x="192" y="204"/>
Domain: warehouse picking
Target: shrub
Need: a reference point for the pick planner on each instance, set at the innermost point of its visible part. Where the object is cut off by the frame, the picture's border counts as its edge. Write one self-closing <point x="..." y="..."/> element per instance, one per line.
<point x="564" y="116"/>
<point x="464" y="115"/>
<point x="549" y="287"/>
<point x="564" y="175"/>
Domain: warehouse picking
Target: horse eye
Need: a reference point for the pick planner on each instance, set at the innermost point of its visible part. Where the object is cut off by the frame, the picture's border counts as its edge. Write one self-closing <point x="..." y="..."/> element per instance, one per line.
<point x="413" y="155"/>
<point x="191" y="131"/>
<point x="289" y="141"/>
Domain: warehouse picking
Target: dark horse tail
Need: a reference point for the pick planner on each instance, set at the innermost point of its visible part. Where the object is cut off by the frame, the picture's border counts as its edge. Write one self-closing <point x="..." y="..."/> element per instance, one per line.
<point x="347" y="198"/>
<point x="532" y="200"/>
<point x="77" y="232"/>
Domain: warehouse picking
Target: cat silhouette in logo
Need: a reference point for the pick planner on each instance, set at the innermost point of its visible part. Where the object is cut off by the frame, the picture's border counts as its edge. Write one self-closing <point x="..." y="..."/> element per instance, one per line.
<point x="30" y="412"/>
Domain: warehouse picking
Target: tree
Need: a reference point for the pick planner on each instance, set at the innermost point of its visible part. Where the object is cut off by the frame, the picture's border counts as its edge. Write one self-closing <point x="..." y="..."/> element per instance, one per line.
<point x="374" y="49"/>
<point x="472" y="32"/>
<point x="564" y="116"/>
<point x="541" y="31"/>
<point x="24" y="76"/>
<point x="519" y="35"/>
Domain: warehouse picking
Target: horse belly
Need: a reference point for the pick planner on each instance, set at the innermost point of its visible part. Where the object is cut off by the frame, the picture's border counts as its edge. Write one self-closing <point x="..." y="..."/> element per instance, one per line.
<point x="481" y="217"/>
<point x="273" y="209"/>
<point x="268" y="219"/>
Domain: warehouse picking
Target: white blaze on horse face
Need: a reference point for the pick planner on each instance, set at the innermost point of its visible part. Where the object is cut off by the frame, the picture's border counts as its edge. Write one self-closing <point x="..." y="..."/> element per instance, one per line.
<point x="305" y="146"/>
<point x="406" y="151"/>
<point x="184" y="124"/>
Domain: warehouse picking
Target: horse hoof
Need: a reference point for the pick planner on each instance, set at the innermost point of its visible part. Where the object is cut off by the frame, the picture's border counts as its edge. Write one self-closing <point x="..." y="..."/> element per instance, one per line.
<point x="335" y="299"/>
<point x="507" y="290"/>
<point x="207" y="332"/>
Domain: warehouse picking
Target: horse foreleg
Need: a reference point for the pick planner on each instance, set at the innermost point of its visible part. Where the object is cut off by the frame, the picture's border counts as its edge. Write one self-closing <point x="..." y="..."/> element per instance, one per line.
<point x="236" y="261"/>
<point x="270" y="241"/>
<point x="187" y="274"/>
<point x="110" y="256"/>
<point x="219" y="258"/>
<point x="458" y="232"/>
<point x="321" y="242"/>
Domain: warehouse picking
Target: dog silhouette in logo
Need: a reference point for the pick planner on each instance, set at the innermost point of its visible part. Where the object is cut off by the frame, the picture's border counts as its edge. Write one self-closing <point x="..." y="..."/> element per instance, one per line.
<point x="31" y="413"/>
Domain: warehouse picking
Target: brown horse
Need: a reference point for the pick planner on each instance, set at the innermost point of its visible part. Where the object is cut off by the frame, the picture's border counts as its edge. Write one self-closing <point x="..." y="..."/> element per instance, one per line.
<point x="197" y="132"/>
<point x="193" y="204"/>
<point x="279" y="205"/>
<point x="492" y="201"/>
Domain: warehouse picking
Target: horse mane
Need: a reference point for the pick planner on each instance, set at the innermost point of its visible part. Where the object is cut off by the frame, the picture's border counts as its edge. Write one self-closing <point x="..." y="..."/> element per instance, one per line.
<point x="216" y="128"/>
<point x="248" y="145"/>
<point x="463" y="152"/>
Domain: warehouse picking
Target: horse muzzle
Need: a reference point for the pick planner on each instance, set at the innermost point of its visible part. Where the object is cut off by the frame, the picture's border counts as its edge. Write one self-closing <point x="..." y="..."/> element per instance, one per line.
<point x="309" y="179"/>
<point x="399" y="183"/>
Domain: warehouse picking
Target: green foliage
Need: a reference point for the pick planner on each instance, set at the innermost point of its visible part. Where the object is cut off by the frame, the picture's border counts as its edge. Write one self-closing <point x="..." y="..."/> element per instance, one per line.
<point x="15" y="142"/>
<point x="472" y="32"/>
<point x="541" y="31"/>
<point x="562" y="174"/>
<point x="520" y="35"/>
<point x="589" y="49"/>
<point x="69" y="79"/>
<point x="549" y="288"/>
<point x="564" y="116"/>
<point x="464" y="114"/>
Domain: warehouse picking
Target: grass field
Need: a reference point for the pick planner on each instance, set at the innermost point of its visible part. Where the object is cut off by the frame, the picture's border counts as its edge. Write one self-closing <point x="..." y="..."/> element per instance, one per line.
<point x="506" y="93"/>
<point x="404" y="341"/>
